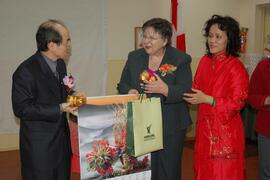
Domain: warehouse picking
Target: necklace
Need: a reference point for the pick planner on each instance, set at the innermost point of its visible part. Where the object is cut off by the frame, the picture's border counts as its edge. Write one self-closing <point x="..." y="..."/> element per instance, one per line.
<point x="156" y="59"/>
<point x="154" y="65"/>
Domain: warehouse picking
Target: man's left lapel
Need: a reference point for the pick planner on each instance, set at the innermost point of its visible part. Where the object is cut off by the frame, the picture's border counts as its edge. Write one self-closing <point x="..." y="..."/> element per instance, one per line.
<point x="51" y="80"/>
<point x="61" y="69"/>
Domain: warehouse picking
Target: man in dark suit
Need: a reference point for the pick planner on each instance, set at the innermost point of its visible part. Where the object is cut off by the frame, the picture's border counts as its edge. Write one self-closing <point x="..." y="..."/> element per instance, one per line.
<point x="38" y="99"/>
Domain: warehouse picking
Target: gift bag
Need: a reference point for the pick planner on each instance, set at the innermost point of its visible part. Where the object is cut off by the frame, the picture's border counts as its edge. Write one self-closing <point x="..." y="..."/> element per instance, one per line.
<point x="144" y="126"/>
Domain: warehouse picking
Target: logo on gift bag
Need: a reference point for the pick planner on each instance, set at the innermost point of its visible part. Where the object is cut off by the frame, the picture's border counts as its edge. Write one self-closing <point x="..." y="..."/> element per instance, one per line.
<point x="149" y="135"/>
<point x="148" y="129"/>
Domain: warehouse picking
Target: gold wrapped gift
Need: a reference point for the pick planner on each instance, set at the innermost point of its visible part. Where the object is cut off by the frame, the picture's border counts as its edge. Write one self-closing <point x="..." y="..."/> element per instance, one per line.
<point x="147" y="76"/>
<point x="76" y="100"/>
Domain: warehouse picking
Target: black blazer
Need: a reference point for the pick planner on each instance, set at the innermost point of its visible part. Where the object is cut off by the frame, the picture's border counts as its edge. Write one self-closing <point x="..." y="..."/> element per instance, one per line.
<point x="174" y="109"/>
<point x="36" y="95"/>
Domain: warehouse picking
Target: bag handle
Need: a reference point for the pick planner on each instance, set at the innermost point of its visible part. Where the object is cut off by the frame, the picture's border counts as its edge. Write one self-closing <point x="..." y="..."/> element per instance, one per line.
<point x="143" y="96"/>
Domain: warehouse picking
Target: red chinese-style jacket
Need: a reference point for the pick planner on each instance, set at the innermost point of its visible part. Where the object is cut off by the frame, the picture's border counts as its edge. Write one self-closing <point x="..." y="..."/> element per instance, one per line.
<point x="219" y="147"/>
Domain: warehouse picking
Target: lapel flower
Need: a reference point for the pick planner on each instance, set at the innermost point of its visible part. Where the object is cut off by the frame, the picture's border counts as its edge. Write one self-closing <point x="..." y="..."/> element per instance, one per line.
<point x="69" y="82"/>
<point x="166" y="69"/>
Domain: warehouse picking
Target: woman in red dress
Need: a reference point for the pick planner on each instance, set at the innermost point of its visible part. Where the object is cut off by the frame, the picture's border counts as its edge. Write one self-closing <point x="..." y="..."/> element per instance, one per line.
<point x="220" y="89"/>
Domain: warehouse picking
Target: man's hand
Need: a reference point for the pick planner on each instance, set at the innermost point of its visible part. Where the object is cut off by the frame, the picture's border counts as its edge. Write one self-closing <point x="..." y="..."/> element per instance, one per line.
<point x="67" y="107"/>
<point x="79" y="93"/>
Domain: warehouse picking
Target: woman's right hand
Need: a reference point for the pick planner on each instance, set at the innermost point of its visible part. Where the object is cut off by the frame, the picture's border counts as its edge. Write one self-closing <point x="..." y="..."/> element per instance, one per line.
<point x="197" y="97"/>
<point x="133" y="91"/>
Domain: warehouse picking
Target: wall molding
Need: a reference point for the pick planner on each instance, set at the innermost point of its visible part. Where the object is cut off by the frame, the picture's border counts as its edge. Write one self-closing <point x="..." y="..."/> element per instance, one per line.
<point x="9" y="142"/>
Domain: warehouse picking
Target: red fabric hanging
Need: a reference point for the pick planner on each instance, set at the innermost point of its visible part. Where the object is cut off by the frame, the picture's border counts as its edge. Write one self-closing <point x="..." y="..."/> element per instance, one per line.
<point x="181" y="42"/>
<point x="174" y="12"/>
<point x="180" y="39"/>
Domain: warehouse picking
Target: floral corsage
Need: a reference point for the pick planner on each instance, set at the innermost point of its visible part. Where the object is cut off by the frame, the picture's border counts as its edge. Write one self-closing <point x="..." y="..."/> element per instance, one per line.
<point x="69" y="82"/>
<point x="166" y="69"/>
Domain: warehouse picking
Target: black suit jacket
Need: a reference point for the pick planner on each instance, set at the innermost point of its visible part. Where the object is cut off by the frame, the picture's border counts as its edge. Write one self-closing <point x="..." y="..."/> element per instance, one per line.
<point x="174" y="109"/>
<point x="36" y="95"/>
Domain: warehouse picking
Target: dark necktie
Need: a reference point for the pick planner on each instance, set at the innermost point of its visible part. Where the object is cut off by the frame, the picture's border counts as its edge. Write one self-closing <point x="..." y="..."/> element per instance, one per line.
<point x="56" y="73"/>
<point x="60" y="81"/>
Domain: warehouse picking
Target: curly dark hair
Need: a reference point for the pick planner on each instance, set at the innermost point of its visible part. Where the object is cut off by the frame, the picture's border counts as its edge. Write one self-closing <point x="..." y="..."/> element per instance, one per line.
<point x="231" y="27"/>
<point x="47" y="32"/>
<point x="161" y="26"/>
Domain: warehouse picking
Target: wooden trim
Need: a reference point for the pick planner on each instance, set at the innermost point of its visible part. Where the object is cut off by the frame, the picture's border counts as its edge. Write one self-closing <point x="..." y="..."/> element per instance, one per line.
<point x="138" y="37"/>
<point x="9" y="142"/>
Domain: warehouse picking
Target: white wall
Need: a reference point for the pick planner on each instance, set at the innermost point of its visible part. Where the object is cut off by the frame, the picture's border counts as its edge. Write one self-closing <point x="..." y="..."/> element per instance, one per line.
<point x="123" y="16"/>
<point x="122" y="21"/>
<point x="194" y="14"/>
<point x="19" y="22"/>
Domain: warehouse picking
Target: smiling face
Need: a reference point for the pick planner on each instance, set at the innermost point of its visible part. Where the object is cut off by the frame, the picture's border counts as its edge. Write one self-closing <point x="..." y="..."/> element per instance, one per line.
<point x="217" y="40"/>
<point x="153" y="42"/>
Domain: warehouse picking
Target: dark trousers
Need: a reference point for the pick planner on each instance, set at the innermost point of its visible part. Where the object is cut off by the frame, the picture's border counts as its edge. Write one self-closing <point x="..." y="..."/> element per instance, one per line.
<point x="166" y="163"/>
<point x="61" y="172"/>
<point x="264" y="158"/>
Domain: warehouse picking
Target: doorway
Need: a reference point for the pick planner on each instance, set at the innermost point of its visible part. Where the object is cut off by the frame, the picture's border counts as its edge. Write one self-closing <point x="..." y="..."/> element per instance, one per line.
<point x="262" y="30"/>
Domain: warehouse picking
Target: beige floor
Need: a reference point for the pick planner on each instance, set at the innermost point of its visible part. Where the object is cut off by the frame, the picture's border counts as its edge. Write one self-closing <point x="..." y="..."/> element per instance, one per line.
<point x="10" y="165"/>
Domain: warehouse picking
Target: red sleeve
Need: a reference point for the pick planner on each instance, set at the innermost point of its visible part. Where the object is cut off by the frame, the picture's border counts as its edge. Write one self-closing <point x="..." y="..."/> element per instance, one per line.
<point x="227" y="107"/>
<point x="256" y="95"/>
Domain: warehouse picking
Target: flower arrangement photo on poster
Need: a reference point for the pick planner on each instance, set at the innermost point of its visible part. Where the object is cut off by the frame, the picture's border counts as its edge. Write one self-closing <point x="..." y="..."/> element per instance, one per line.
<point x="102" y="143"/>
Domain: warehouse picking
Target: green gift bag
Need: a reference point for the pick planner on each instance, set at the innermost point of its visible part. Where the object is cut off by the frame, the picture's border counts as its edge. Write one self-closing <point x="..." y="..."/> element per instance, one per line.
<point x="144" y="127"/>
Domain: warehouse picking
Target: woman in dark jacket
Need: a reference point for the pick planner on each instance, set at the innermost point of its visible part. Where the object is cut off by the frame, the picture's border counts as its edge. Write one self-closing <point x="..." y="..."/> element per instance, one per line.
<point x="172" y="72"/>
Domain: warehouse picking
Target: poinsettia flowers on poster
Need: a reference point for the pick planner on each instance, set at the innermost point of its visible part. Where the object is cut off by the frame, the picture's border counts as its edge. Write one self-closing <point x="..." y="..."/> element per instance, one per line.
<point x="102" y="143"/>
<point x="102" y="157"/>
